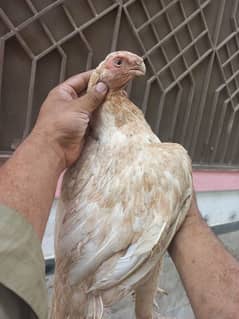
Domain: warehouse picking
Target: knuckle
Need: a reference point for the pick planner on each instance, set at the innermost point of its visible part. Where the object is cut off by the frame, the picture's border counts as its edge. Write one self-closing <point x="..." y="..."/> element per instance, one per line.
<point x="53" y="91"/>
<point x="69" y="90"/>
<point x="63" y="91"/>
<point x="85" y="116"/>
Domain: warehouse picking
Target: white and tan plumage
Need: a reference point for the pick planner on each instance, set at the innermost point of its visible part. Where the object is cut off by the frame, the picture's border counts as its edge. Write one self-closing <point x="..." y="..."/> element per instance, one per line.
<point x="121" y="204"/>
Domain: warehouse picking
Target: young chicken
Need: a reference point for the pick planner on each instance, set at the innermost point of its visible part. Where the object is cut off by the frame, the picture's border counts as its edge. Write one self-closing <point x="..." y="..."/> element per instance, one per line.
<point x="121" y="204"/>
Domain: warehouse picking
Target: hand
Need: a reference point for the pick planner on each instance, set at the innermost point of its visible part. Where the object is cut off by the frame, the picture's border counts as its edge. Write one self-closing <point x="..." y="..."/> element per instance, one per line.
<point x="64" y="116"/>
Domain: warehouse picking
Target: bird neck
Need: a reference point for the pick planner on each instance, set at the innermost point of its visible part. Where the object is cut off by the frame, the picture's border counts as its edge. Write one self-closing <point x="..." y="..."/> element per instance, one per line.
<point x="116" y="114"/>
<point x="120" y="108"/>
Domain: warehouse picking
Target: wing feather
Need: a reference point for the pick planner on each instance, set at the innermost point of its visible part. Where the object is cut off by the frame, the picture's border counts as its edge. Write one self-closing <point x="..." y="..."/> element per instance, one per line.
<point x="116" y="222"/>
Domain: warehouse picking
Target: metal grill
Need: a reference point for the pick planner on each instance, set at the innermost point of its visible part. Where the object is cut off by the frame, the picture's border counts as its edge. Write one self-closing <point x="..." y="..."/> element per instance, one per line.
<point x="190" y="93"/>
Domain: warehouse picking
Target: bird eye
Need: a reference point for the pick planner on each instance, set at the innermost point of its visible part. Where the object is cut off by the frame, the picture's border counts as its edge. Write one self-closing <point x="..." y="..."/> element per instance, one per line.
<point x="118" y="62"/>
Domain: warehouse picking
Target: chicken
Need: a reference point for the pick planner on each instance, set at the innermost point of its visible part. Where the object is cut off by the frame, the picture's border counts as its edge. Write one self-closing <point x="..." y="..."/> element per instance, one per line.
<point x="121" y="205"/>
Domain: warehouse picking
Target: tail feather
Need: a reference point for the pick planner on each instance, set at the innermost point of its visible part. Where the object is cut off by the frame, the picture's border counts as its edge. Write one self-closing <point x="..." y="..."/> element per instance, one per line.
<point x="95" y="307"/>
<point x="52" y="307"/>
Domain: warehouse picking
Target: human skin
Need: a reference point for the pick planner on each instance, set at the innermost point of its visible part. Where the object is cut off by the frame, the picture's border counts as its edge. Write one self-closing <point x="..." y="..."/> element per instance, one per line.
<point x="209" y="273"/>
<point x="28" y="179"/>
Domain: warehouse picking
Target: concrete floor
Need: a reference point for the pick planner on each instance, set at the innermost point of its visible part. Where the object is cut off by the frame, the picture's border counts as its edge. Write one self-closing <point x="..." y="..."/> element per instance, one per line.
<point x="175" y="304"/>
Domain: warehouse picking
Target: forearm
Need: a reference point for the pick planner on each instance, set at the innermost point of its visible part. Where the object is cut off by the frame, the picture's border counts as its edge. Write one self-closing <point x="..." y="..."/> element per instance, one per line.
<point x="28" y="181"/>
<point x="209" y="273"/>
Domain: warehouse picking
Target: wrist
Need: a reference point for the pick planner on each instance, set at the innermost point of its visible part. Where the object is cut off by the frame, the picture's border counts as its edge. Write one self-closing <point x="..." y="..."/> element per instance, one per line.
<point x="49" y="147"/>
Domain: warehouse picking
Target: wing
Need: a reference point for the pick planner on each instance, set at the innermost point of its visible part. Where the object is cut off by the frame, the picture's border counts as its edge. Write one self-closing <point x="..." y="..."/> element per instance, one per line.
<point x="88" y="208"/>
<point x="123" y="208"/>
<point x="166" y="192"/>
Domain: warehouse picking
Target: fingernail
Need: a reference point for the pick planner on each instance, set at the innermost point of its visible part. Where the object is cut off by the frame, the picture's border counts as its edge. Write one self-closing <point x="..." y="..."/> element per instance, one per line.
<point x="101" y="87"/>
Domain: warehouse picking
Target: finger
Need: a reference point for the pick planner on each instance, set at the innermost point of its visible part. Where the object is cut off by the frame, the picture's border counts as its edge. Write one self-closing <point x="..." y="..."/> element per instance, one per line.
<point x="78" y="82"/>
<point x="93" y="98"/>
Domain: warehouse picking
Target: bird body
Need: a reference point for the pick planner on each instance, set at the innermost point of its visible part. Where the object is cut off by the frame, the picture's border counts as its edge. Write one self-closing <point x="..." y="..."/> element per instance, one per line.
<point x="121" y="205"/>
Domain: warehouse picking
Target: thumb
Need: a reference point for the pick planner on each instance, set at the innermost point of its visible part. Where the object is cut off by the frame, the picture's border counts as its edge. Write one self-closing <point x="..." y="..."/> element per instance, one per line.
<point x="93" y="98"/>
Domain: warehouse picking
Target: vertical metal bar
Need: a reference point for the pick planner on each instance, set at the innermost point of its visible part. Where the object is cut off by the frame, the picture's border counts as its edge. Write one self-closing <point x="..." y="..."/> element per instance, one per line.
<point x="2" y="49"/>
<point x="34" y="67"/>
<point x="219" y="133"/>
<point x="188" y="28"/>
<point x="13" y="32"/>
<point x="145" y="57"/>
<point x="160" y="111"/>
<point x="202" y="106"/>
<point x="92" y="8"/>
<point x="234" y="144"/>
<point x="27" y="125"/>
<point x="116" y="28"/>
<point x="146" y="97"/>
<point x="141" y="45"/>
<point x="164" y="55"/>
<point x="228" y="137"/>
<point x="33" y="18"/>
<point x="90" y="51"/>
<point x="180" y="55"/>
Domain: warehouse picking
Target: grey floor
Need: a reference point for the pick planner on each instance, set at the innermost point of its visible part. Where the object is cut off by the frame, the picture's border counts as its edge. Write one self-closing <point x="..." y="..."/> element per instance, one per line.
<point x="175" y="304"/>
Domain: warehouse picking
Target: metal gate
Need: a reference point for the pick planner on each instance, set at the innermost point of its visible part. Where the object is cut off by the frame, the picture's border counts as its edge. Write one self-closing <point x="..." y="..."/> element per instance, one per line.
<point x="190" y="93"/>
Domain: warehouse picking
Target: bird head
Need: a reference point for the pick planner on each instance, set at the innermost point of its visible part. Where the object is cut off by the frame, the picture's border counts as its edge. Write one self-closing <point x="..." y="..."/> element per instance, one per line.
<point x="119" y="68"/>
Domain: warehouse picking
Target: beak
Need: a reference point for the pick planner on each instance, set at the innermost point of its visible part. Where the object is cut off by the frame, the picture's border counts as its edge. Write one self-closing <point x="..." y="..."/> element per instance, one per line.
<point x="139" y="69"/>
<point x="142" y="68"/>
